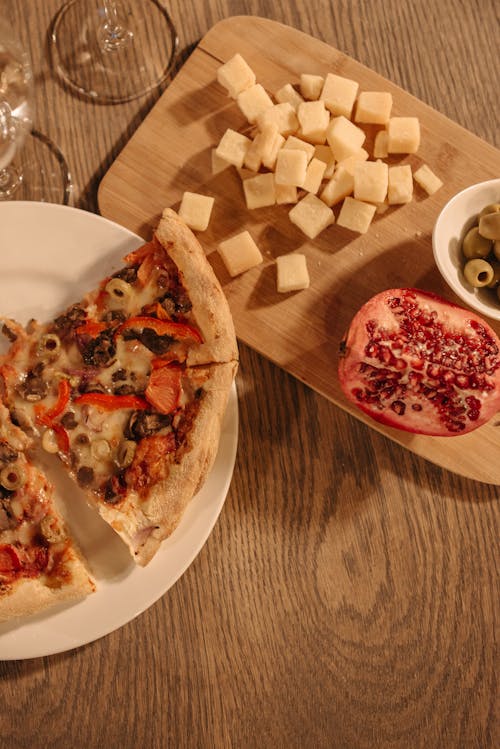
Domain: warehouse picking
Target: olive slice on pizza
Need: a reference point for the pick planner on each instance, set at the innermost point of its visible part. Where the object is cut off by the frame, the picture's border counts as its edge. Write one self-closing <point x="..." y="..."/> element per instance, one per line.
<point x="39" y="563"/>
<point x="130" y="385"/>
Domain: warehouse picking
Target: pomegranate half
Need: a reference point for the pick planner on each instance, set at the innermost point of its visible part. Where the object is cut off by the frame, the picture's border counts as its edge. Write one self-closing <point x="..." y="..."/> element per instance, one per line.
<point x="417" y="362"/>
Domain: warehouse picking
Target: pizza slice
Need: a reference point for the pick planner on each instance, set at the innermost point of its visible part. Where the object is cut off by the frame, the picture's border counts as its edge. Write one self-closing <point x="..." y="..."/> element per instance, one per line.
<point x="39" y="563"/>
<point x="130" y="385"/>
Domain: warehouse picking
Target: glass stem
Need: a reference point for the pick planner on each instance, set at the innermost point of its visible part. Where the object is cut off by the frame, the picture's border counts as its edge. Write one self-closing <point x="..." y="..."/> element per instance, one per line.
<point x="113" y="35"/>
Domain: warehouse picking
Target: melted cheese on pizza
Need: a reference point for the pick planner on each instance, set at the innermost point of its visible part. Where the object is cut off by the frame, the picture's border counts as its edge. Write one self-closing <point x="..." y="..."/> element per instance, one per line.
<point x="110" y="374"/>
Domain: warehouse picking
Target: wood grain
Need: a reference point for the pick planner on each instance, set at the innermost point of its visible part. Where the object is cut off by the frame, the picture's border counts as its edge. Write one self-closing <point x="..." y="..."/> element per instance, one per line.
<point x="348" y="596"/>
<point x="300" y="332"/>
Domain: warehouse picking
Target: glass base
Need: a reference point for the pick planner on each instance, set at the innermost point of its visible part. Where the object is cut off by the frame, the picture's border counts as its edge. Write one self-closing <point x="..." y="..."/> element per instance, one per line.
<point x="113" y="67"/>
<point x="10" y="182"/>
<point x="42" y="172"/>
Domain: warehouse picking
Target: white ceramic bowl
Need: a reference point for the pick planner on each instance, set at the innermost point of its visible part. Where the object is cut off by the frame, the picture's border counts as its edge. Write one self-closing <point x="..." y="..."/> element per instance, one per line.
<point x="456" y="218"/>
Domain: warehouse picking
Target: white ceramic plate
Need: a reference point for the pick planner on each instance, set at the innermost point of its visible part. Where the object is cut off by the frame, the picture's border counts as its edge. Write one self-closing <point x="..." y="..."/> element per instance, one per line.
<point x="49" y="256"/>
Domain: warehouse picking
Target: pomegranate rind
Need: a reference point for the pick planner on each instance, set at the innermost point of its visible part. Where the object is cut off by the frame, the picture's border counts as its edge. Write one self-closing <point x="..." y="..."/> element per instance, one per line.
<point x="414" y="361"/>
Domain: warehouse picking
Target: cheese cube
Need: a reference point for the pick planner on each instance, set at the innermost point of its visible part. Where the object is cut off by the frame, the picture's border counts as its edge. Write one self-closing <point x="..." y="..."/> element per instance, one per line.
<point x="253" y="101"/>
<point x="344" y="137"/>
<point x="400" y="185"/>
<point x="339" y="94"/>
<point x="311" y="86"/>
<point x="370" y="181"/>
<point x="291" y="167"/>
<point x="314" y="174"/>
<point x="356" y="215"/>
<point x="195" y="210"/>
<point x="350" y="162"/>
<point x="253" y="156"/>
<point x="261" y="148"/>
<point x="340" y="186"/>
<point x="218" y="164"/>
<point x="288" y="94"/>
<point x="373" y="107"/>
<point x="283" y="116"/>
<point x="380" y="145"/>
<point x="403" y="135"/>
<point x="259" y="191"/>
<point x="233" y="147"/>
<point x="291" y="272"/>
<point x="313" y="120"/>
<point x="297" y="144"/>
<point x="311" y="216"/>
<point x="428" y="181"/>
<point x="269" y="161"/>
<point x="240" y="253"/>
<point x="324" y="153"/>
<point x="235" y="75"/>
<point x="285" y="194"/>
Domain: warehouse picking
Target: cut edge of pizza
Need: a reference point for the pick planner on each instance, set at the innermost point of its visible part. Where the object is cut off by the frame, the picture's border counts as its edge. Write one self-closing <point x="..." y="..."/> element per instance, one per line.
<point x="130" y="385"/>
<point x="171" y="480"/>
<point x="40" y="564"/>
<point x="210" y="307"/>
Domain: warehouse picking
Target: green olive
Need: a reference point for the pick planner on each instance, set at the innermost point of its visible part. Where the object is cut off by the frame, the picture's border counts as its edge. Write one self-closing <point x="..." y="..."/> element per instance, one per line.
<point x="489" y="226"/>
<point x="496" y="274"/>
<point x="474" y="245"/>
<point x="49" y="346"/>
<point x="13" y="477"/>
<point x="478" y="272"/>
<point x="118" y="289"/>
<point x="51" y="530"/>
<point x="491" y="208"/>
<point x="100" y="449"/>
<point x="49" y="441"/>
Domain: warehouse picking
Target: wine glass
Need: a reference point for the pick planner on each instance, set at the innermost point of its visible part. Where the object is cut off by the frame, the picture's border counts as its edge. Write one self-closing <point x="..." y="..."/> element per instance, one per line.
<point x="108" y="50"/>
<point x="31" y="166"/>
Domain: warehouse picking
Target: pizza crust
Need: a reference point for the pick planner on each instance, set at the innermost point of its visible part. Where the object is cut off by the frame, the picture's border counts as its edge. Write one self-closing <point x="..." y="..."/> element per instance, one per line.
<point x="29" y="596"/>
<point x="144" y="523"/>
<point x="210" y="307"/>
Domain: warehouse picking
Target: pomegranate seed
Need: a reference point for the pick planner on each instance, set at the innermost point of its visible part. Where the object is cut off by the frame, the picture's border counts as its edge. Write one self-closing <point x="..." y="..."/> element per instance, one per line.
<point x="398" y="407"/>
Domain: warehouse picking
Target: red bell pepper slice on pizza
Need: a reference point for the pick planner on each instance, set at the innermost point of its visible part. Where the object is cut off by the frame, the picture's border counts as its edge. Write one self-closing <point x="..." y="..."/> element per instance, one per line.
<point x="47" y="417"/>
<point x="138" y="255"/>
<point x="109" y="402"/>
<point x="62" y="438"/>
<point x="177" y="330"/>
<point x="92" y="328"/>
<point x="9" y="560"/>
<point x="164" y="386"/>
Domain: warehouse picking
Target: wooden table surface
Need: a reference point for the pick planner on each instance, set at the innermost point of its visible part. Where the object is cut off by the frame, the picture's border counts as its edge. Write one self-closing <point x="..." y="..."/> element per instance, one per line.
<point x="348" y="595"/>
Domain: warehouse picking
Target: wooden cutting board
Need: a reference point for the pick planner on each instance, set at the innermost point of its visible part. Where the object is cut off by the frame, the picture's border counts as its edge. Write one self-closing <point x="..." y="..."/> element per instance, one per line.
<point x="171" y="152"/>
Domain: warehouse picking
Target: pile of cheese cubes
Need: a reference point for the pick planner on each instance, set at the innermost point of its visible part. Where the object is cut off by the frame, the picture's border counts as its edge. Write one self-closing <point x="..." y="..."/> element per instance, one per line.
<point x="312" y="142"/>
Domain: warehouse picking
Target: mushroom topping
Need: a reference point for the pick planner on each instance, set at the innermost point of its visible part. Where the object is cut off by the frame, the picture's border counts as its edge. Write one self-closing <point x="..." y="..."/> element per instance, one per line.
<point x="126" y="452"/>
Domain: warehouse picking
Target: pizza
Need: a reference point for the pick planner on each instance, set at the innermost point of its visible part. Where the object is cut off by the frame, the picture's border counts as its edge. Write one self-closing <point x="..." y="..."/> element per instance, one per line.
<point x="129" y="385"/>
<point x="39" y="562"/>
